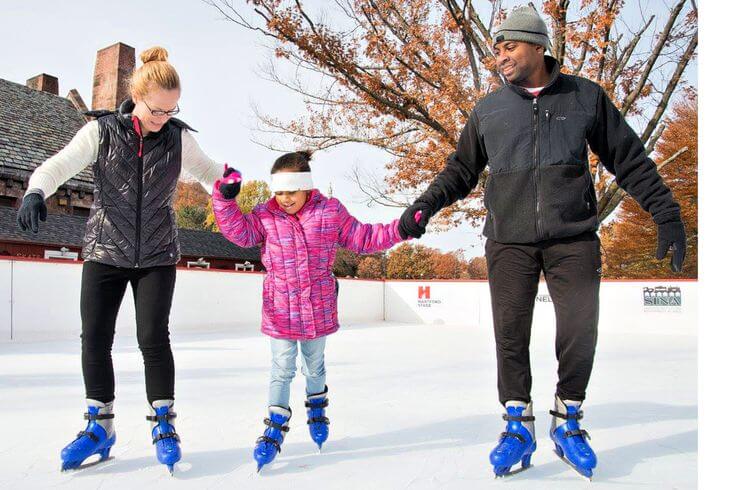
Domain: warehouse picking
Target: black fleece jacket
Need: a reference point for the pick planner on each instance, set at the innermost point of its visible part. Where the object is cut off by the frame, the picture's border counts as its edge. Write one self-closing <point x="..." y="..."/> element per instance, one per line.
<point x="540" y="186"/>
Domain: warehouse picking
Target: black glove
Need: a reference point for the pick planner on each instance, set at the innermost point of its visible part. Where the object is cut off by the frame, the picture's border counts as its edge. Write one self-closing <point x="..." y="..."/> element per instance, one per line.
<point x="671" y="235"/>
<point x="32" y="209"/>
<point x="229" y="186"/>
<point x="408" y="226"/>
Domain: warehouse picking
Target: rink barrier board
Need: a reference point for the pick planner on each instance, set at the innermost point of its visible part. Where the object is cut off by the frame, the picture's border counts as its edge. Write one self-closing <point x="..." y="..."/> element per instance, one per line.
<point x="39" y="299"/>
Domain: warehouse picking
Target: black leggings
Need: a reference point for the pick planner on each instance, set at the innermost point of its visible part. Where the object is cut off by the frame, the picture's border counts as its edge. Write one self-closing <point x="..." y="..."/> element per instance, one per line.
<point x="103" y="287"/>
<point x="572" y="268"/>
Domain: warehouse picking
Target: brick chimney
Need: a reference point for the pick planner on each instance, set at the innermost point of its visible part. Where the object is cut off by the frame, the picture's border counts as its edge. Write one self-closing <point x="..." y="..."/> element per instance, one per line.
<point x="114" y="65"/>
<point x="44" y="83"/>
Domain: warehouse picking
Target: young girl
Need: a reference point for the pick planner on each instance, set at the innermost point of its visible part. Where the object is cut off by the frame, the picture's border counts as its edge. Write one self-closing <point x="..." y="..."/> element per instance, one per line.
<point x="300" y="230"/>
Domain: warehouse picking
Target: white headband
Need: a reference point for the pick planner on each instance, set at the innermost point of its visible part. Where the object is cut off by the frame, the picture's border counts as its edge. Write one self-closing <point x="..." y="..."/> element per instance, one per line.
<point x="291" y="181"/>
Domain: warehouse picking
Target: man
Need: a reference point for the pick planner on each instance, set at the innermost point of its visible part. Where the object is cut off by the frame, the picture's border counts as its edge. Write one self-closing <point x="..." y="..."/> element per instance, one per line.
<point x="533" y="134"/>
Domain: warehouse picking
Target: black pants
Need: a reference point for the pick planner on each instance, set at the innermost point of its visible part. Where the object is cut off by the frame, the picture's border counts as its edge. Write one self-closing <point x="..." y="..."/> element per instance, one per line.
<point x="572" y="269"/>
<point x="103" y="287"/>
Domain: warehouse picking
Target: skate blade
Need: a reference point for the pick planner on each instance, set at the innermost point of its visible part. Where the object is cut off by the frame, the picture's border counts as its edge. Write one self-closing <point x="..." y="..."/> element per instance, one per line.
<point x="576" y="470"/>
<point x="171" y="469"/>
<point x="516" y="471"/>
<point x="86" y="465"/>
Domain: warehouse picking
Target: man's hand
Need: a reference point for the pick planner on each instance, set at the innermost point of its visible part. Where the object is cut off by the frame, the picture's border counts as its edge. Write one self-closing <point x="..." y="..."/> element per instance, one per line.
<point x="409" y="226"/>
<point x="671" y="235"/>
<point x="32" y="210"/>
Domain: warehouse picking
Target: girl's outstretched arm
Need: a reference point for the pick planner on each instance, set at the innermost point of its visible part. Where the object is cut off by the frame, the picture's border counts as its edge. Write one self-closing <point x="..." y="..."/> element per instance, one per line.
<point x="244" y="230"/>
<point x="365" y="238"/>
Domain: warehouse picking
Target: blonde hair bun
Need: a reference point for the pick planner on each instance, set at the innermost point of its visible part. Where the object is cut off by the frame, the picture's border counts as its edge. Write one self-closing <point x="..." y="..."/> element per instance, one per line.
<point x="156" y="53"/>
<point x="149" y="76"/>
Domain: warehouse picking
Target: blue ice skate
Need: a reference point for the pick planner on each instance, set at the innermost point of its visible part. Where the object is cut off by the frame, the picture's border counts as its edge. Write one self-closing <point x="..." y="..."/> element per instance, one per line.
<point x="318" y="422"/>
<point x="516" y="444"/>
<point x="269" y="444"/>
<point x="92" y="440"/>
<point x="164" y="434"/>
<point x="570" y="441"/>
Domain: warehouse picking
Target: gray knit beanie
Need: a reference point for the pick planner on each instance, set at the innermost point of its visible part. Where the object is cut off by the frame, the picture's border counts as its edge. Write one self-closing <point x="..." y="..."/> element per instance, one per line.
<point x="523" y="24"/>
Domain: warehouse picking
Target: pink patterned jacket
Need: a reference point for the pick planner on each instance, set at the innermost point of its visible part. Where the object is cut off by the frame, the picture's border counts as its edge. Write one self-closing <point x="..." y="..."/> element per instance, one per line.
<point x="299" y="298"/>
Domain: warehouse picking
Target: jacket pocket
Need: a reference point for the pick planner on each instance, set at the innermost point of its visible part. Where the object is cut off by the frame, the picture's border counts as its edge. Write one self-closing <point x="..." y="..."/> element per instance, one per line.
<point x="567" y="202"/>
<point x="590" y="194"/>
<point x="567" y="142"/>
<point x="173" y="248"/>
<point x="94" y="228"/>
<point x="511" y="202"/>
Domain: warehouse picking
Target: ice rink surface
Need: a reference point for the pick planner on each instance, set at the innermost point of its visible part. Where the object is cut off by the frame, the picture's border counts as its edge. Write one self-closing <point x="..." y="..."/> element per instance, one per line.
<point x="411" y="407"/>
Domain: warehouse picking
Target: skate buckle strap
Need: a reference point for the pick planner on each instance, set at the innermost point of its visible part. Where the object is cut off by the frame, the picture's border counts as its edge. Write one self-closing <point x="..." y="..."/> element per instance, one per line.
<point x="269" y="440"/>
<point x="319" y="420"/>
<point x="582" y="433"/>
<point x="509" y="418"/>
<point x="275" y="425"/>
<point x="99" y="416"/>
<point x="91" y="435"/>
<point x="167" y="435"/>
<point x="513" y="434"/>
<point x="317" y="404"/>
<point x="567" y="416"/>
<point x="158" y="418"/>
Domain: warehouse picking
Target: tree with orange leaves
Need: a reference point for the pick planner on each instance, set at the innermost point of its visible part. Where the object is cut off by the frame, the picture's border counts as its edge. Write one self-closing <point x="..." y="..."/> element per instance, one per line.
<point x="630" y="239"/>
<point x="370" y="268"/>
<point x="190" y="205"/>
<point x="477" y="268"/>
<point x="448" y="266"/>
<point x="408" y="261"/>
<point x="404" y="75"/>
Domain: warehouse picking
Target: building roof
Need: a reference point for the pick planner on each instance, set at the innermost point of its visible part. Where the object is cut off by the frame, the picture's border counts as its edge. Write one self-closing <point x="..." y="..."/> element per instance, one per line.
<point x="35" y="125"/>
<point x="64" y="230"/>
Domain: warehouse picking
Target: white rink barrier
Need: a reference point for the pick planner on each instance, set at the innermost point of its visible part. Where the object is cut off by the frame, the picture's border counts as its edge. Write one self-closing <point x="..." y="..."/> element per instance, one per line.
<point x="39" y="300"/>
<point x="658" y="305"/>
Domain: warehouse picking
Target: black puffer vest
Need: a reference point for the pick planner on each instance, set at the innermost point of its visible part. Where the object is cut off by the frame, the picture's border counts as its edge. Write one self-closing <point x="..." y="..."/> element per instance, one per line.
<point x="132" y="223"/>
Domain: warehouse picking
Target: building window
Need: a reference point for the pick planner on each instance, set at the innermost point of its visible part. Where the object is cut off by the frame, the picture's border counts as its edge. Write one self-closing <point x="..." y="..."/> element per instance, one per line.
<point x="8" y="201"/>
<point x="79" y="211"/>
<point x="247" y="266"/>
<point x="64" y="253"/>
<point x="200" y="263"/>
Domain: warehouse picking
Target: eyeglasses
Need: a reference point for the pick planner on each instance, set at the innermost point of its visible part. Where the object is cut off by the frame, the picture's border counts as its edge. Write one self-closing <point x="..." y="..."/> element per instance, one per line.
<point x="158" y="112"/>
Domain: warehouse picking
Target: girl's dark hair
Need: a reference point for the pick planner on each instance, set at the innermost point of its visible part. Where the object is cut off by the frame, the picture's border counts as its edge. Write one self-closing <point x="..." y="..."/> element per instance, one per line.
<point x="297" y="161"/>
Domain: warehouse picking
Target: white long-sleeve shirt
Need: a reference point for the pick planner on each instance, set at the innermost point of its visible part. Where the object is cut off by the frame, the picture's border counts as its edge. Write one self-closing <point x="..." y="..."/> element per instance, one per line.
<point x="82" y="151"/>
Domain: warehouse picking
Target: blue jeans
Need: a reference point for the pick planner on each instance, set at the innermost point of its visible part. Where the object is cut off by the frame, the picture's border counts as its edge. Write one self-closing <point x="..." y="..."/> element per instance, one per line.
<point x="283" y="368"/>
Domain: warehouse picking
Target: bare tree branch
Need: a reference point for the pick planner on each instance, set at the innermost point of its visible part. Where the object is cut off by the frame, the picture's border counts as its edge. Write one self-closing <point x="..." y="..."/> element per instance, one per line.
<point x="627" y="52"/>
<point x="673" y="83"/>
<point x="375" y="192"/>
<point x="662" y="39"/>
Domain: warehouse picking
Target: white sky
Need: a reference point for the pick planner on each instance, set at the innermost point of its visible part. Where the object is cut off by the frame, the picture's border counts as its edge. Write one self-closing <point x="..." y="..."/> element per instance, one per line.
<point x="218" y="62"/>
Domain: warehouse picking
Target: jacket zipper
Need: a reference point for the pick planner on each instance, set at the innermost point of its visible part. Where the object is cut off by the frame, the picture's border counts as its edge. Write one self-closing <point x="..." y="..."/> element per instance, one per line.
<point x="536" y="170"/>
<point x="138" y="217"/>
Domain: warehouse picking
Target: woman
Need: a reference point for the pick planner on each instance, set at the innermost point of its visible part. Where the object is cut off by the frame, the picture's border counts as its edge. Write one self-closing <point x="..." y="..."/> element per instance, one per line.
<point x="137" y="155"/>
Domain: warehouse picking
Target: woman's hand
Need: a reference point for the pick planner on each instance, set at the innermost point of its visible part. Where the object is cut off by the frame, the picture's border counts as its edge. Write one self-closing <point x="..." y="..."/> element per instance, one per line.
<point x="31" y="211"/>
<point x="229" y="185"/>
